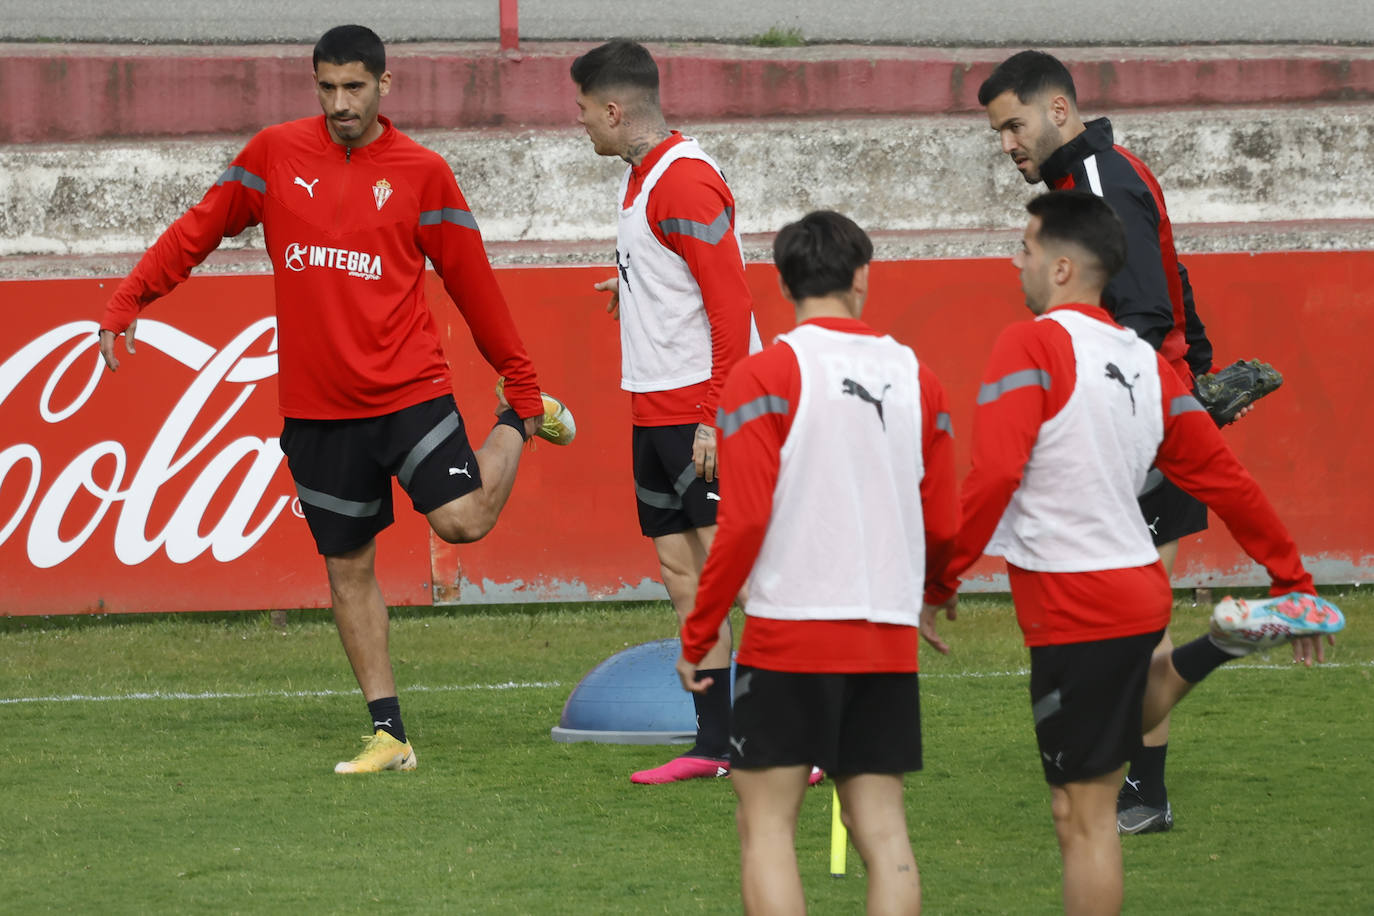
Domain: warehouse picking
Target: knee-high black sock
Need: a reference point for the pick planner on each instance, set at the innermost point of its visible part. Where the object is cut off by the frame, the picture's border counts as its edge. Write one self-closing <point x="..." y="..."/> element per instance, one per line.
<point x="713" y="714"/>
<point x="1146" y="778"/>
<point x="386" y="716"/>
<point x="1199" y="658"/>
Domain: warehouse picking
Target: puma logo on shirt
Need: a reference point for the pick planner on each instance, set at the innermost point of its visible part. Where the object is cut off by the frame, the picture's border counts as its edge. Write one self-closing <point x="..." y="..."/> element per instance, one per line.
<point x="1114" y="372"/>
<point x="860" y="392"/>
<point x="624" y="269"/>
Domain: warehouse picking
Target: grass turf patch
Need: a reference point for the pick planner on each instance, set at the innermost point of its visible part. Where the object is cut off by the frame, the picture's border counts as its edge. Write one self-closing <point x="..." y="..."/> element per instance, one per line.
<point x="214" y="793"/>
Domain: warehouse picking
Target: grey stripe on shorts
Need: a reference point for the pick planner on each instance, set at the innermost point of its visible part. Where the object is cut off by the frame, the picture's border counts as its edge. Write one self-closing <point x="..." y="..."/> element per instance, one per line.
<point x="337" y="504"/>
<point x="1047" y="706"/>
<point x="426" y="446"/>
<point x="658" y="500"/>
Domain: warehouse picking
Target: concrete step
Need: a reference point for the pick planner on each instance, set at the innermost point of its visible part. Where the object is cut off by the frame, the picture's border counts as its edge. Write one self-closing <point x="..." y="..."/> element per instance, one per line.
<point x="1256" y="178"/>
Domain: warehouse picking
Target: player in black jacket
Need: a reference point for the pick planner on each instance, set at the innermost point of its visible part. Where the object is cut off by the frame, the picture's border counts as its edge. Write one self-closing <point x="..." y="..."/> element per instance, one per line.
<point x="1032" y="105"/>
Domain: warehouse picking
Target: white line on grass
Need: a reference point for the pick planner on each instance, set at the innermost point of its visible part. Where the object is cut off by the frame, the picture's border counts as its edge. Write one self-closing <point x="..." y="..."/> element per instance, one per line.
<point x="287" y="694"/>
<point x="519" y="685"/>
<point x="1272" y="666"/>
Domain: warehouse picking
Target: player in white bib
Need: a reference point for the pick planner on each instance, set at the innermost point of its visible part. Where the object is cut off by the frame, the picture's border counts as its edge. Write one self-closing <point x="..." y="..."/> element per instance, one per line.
<point x="839" y="499"/>
<point x="1073" y="411"/>
<point x="686" y="318"/>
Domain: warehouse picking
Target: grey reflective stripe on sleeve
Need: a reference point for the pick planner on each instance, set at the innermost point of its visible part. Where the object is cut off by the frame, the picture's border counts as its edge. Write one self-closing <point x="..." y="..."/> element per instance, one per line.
<point x="1022" y="379"/>
<point x="1047" y="706"/>
<point x="448" y="215"/>
<point x="710" y="234"/>
<point x="730" y="423"/>
<point x="244" y="177"/>
<point x="1184" y="403"/>
<point x="338" y="505"/>
<point x="658" y="500"/>
<point x="943" y="422"/>
<point x="441" y="431"/>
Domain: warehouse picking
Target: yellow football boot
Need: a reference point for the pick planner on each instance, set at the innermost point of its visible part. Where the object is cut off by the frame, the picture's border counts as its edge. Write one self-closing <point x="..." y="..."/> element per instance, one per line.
<point x="380" y="752"/>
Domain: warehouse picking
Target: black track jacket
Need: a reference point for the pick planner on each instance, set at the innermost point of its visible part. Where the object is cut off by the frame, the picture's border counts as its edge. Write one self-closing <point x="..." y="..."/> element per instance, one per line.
<point x="1151" y="294"/>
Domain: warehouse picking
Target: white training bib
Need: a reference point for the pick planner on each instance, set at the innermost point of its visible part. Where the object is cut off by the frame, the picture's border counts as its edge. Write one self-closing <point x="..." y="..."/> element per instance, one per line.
<point x="848" y="496"/>
<point x="665" y="337"/>
<point x="1076" y="508"/>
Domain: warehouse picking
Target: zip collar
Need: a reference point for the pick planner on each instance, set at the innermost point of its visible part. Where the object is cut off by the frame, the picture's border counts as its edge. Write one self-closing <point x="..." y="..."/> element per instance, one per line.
<point x="349" y="153"/>
<point x="1096" y="138"/>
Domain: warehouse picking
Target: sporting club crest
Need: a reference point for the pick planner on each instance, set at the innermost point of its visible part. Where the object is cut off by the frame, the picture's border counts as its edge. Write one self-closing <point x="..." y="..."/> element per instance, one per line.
<point x="381" y="192"/>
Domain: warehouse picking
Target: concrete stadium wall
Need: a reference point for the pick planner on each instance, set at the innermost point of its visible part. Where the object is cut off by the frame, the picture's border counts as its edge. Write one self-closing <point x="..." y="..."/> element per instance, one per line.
<point x="934" y="173"/>
<point x="1257" y="147"/>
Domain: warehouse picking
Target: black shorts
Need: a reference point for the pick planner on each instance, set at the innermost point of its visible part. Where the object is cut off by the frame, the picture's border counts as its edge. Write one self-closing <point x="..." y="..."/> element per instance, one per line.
<point x="843" y="723"/>
<point x="343" y="469"/>
<point x="670" y="495"/>
<point x="1087" y="699"/>
<point x="1169" y="512"/>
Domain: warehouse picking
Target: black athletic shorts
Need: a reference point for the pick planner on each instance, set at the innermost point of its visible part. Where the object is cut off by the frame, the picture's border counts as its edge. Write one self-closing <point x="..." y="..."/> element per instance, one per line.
<point x="1087" y="699"/>
<point x="843" y="723"/>
<point x="343" y="469"/>
<point x="1169" y="512"/>
<point x="670" y="495"/>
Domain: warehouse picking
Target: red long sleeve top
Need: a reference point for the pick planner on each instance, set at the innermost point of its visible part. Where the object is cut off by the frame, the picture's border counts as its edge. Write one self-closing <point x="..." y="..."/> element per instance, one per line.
<point x="348" y="232"/>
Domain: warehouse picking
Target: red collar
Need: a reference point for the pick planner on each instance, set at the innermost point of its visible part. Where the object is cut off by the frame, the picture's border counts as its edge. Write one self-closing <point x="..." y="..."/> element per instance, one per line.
<point x="383" y="141"/>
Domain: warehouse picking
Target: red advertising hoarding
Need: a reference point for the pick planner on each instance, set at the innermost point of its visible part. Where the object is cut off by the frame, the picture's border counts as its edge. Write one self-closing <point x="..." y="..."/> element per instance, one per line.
<point x="161" y="487"/>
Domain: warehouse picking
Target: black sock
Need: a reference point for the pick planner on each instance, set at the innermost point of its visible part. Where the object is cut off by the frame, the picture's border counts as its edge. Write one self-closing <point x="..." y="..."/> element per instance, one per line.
<point x="386" y="716"/>
<point x="1146" y="778"/>
<point x="713" y="715"/>
<point x="509" y="417"/>
<point x="1199" y="658"/>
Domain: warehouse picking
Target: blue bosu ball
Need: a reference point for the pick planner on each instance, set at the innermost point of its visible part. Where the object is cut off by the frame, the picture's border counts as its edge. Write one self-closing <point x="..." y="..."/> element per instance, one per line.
<point x="633" y="697"/>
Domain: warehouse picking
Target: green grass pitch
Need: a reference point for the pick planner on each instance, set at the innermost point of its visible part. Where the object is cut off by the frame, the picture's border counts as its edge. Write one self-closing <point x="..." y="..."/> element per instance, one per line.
<point x="182" y="764"/>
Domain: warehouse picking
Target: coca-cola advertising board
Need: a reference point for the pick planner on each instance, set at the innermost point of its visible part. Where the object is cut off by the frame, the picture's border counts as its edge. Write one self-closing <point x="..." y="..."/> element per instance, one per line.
<point x="161" y="487"/>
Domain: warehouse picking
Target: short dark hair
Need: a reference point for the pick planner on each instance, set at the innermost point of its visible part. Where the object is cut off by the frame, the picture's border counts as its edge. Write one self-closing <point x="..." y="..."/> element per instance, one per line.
<point x="818" y="254"/>
<point x="1086" y="221"/>
<point x="616" y="64"/>
<point x="345" y="44"/>
<point x="1028" y="74"/>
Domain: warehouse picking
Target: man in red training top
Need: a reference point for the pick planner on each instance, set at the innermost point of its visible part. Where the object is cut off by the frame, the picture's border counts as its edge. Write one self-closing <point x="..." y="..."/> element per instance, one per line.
<point x="840" y="496"/>
<point x="1073" y="411"/>
<point x="685" y="320"/>
<point x="351" y="209"/>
